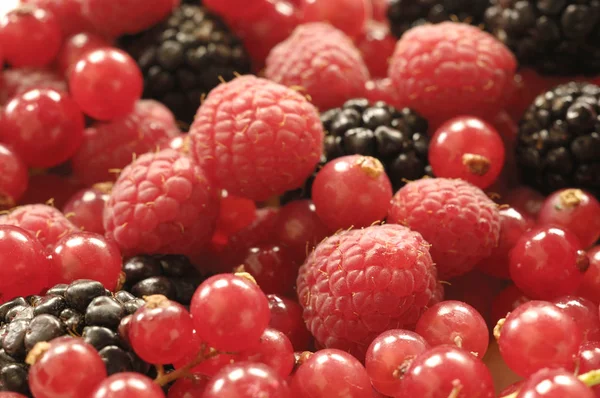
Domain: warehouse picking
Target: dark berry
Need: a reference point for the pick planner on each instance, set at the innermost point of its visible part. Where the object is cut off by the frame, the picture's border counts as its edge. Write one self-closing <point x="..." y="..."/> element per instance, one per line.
<point x="99" y="337"/>
<point x="104" y="311"/>
<point x="81" y="293"/>
<point x="43" y="327"/>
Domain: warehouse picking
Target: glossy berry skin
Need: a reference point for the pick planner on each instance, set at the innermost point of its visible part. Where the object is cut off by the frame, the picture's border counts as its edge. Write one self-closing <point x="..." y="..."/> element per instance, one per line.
<point x="547" y="262"/>
<point x="349" y="16"/>
<point x="128" y="385"/>
<point x="390" y="354"/>
<point x="467" y="148"/>
<point x="351" y="191"/>
<point x="454" y="323"/>
<point x="208" y="367"/>
<point x="85" y="209"/>
<point x="13" y="177"/>
<point x="19" y="81"/>
<point x="525" y="199"/>
<point x="68" y="12"/>
<point x="589" y="359"/>
<point x="509" y="299"/>
<point x="273" y="267"/>
<point x="25" y="269"/>
<point x="439" y="370"/>
<point x="590" y="287"/>
<point x="585" y="314"/>
<point x="188" y="387"/>
<point x="554" y="383"/>
<point x="575" y="210"/>
<point x="29" y="37"/>
<point x="537" y="335"/>
<point x="319" y="376"/>
<point x="44" y="126"/>
<point x="50" y="188"/>
<point x="86" y="255"/>
<point x="75" y="47"/>
<point x="230" y="312"/>
<point x="513" y="224"/>
<point x="235" y="213"/>
<point x="161" y="332"/>
<point x="376" y="45"/>
<point x="97" y="99"/>
<point x="286" y="316"/>
<point x="246" y="380"/>
<point x="274" y="350"/>
<point x="53" y="375"/>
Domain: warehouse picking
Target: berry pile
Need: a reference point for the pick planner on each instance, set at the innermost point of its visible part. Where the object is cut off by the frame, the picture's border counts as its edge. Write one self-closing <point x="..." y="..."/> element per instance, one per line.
<point x="299" y="198"/>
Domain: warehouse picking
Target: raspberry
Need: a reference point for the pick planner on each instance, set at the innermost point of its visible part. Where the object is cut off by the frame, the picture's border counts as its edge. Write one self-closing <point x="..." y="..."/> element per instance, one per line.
<point x="376" y="44"/>
<point x="458" y="219"/>
<point x="110" y="146"/>
<point x="449" y="69"/>
<point x="161" y="203"/>
<point x="257" y="138"/>
<point x="359" y="283"/>
<point x="323" y="61"/>
<point x="19" y="81"/>
<point x="44" y="222"/>
<point x="115" y="18"/>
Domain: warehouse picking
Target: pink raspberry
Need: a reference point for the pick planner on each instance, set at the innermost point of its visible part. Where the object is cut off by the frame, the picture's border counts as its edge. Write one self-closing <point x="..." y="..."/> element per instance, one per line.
<point x="450" y="69"/>
<point x="458" y="219"/>
<point x="376" y="44"/>
<point x="349" y="16"/>
<point x="68" y="12"/>
<point x="44" y="222"/>
<point x="115" y="18"/>
<point x="321" y="60"/>
<point x="161" y="203"/>
<point x="257" y="138"/>
<point x="108" y="147"/>
<point x="360" y="283"/>
<point x="21" y="80"/>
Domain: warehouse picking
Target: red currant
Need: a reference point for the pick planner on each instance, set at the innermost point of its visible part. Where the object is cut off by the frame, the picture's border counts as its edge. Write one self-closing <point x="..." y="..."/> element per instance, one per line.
<point x="188" y="387"/>
<point x="43" y="126"/>
<point x="376" y="45"/>
<point x="525" y="200"/>
<point x="467" y="148"/>
<point x="247" y="380"/>
<point x="590" y="287"/>
<point x="589" y="359"/>
<point x="68" y="12"/>
<point x="128" y="385"/>
<point x="75" y="47"/>
<point x="210" y="366"/>
<point x="13" y="177"/>
<point x="286" y="316"/>
<point x="14" y="82"/>
<point x="348" y="16"/>
<point x="554" y="383"/>
<point x="84" y="209"/>
<point x="235" y="213"/>
<point x="46" y="187"/>
<point x="506" y="301"/>
<point x="89" y="80"/>
<point x="274" y="350"/>
<point x="273" y="268"/>
<point x="585" y="314"/>
<point x="30" y="36"/>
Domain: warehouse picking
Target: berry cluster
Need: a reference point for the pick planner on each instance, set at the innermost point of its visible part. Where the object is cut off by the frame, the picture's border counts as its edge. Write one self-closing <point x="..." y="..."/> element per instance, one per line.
<point x="299" y="198"/>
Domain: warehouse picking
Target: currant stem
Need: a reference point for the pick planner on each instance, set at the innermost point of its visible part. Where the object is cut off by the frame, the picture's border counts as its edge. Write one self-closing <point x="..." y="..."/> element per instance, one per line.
<point x="590" y="379"/>
<point x="184" y="371"/>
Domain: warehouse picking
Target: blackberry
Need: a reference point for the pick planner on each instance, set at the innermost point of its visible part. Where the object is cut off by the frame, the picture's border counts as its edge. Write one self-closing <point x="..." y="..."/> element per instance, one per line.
<point x="558" y="144"/>
<point x="406" y="14"/>
<point x="185" y="57"/>
<point x="555" y="37"/>
<point x="83" y="308"/>
<point x="173" y="276"/>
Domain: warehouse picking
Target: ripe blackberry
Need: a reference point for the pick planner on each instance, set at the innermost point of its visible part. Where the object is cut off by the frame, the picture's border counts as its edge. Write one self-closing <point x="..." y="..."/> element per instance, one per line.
<point x="406" y="14"/>
<point x="84" y="308"/>
<point x="185" y="57"/>
<point x="173" y="276"/>
<point x="557" y="37"/>
<point x="558" y="143"/>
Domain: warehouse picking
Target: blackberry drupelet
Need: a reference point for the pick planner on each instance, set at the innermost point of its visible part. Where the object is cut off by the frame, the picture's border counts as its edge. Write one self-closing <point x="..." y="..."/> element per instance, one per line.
<point x="83" y="308"/>
<point x="558" y="144"/>
<point x="555" y="37"/>
<point x="185" y="57"/>
<point x="406" y="14"/>
<point x="173" y="276"/>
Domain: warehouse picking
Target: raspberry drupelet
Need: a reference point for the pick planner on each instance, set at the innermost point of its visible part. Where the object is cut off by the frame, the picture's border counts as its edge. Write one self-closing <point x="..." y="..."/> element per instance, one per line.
<point x="161" y="203"/>
<point x="359" y="283"/>
<point x="321" y="60"/>
<point x="459" y="221"/>
<point x="256" y="139"/>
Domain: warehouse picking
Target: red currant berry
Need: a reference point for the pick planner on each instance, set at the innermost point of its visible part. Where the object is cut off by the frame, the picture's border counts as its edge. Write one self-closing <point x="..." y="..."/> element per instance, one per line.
<point x="585" y="314"/>
<point x="539" y="335"/>
<point x="210" y="366"/>
<point x="506" y="301"/>
<point x="235" y="213"/>
<point x="128" y="385"/>
<point x="525" y="200"/>
<point x="52" y="374"/>
<point x="590" y="287"/>
<point x="89" y="79"/>
<point x="273" y="268"/>
<point x="161" y="332"/>
<point x="513" y="224"/>
<point x="547" y="262"/>
<point x="319" y="376"/>
<point x="349" y="16"/>
<point x="574" y="210"/>
<point x="554" y="383"/>
<point x="86" y="255"/>
<point x="286" y="316"/>
<point x="13" y="177"/>
<point x="29" y="36"/>
<point x="445" y="370"/>
<point x="188" y="387"/>
<point x="246" y="380"/>
<point x="454" y="323"/>
<point x="47" y="187"/>
<point x="274" y="350"/>
<point x="589" y="359"/>
<point x="18" y="81"/>
<point x="75" y="47"/>
<point x="45" y="127"/>
<point x="230" y="312"/>
<point x="376" y="44"/>
<point x="389" y="356"/>
<point x="467" y="148"/>
<point x="351" y="191"/>
<point x="85" y="208"/>
<point x="25" y="269"/>
<point x="68" y="12"/>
